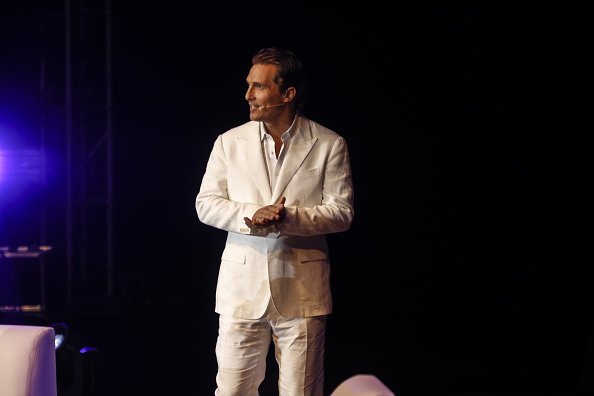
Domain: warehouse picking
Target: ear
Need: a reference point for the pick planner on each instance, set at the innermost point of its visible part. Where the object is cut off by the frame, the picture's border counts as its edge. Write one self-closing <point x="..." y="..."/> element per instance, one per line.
<point x="289" y="95"/>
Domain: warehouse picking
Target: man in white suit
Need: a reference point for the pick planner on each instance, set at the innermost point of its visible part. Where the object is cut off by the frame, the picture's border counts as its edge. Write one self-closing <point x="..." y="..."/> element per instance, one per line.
<point x="277" y="185"/>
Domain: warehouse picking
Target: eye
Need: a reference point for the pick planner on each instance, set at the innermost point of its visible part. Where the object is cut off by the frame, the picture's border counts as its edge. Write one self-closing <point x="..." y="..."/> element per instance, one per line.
<point x="256" y="85"/>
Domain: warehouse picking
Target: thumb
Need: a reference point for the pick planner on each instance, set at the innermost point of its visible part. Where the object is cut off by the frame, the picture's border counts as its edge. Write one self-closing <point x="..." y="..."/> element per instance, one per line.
<point x="281" y="201"/>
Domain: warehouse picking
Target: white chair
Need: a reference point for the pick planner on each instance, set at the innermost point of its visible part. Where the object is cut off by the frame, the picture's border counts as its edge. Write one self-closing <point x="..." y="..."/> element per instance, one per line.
<point x="362" y="385"/>
<point x="27" y="361"/>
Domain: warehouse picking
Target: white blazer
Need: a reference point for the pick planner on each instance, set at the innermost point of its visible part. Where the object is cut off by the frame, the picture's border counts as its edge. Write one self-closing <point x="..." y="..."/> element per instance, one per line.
<point x="289" y="264"/>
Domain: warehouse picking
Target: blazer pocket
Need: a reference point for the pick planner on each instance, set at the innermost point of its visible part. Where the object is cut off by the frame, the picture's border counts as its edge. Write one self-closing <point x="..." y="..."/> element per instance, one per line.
<point x="309" y="173"/>
<point x="313" y="255"/>
<point x="233" y="255"/>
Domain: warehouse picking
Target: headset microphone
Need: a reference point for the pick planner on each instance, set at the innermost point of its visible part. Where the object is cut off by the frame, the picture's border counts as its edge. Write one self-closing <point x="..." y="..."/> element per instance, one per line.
<point x="274" y="105"/>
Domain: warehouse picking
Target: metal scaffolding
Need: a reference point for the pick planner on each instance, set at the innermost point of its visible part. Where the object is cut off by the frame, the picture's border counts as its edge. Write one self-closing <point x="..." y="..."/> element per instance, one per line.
<point x="89" y="151"/>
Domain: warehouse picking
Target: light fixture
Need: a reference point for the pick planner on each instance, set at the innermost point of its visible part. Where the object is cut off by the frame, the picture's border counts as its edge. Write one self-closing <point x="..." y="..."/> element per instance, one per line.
<point x="77" y="364"/>
<point x="62" y="333"/>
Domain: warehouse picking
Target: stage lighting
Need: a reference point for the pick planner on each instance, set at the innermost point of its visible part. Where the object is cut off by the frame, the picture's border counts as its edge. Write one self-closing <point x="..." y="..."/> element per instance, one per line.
<point x="62" y="331"/>
<point x="78" y="365"/>
<point x="1" y="166"/>
<point x="22" y="167"/>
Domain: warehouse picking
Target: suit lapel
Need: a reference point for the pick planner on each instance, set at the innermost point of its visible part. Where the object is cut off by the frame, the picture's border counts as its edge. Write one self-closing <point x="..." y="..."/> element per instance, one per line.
<point x="301" y="145"/>
<point x="255" y="161"/>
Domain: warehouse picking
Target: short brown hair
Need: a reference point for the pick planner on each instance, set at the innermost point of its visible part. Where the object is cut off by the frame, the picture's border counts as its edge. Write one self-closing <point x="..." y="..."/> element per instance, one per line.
<point x="290" y="71"/>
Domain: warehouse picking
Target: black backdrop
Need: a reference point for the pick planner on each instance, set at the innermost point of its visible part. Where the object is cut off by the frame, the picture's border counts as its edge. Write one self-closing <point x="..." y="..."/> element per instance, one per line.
<point x="469" y="131"/>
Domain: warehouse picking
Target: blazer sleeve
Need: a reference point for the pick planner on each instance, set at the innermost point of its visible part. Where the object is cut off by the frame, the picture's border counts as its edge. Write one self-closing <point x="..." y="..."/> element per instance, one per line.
<point x="213" y="205"/>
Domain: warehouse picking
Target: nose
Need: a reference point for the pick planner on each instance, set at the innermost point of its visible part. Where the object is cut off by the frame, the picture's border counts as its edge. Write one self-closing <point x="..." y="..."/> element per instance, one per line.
<point x="249" y="94"/>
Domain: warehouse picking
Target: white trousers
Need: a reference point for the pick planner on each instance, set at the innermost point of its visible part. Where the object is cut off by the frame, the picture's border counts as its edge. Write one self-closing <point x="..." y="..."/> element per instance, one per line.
<point x="242" y="346"/>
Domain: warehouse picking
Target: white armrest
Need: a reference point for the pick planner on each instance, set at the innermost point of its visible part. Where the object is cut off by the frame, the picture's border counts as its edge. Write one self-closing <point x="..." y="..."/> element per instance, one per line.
<point x="27" y="361"/>
<point x="362" y="385"/>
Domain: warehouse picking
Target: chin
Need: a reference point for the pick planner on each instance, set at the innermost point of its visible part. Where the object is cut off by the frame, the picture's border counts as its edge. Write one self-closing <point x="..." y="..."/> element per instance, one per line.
<point x="255" y="116"/>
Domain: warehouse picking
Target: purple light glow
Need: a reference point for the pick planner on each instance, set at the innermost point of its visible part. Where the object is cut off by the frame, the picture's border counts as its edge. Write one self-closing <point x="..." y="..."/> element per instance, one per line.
<point x="23" y="184"/>
<point x="21" y="166"/>
<point x="1" y="166"/>
<point x="5" y="134"/>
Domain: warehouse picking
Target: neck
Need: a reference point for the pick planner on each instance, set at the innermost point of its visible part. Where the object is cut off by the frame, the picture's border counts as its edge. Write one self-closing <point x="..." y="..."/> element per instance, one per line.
<point x="279" y="125"/>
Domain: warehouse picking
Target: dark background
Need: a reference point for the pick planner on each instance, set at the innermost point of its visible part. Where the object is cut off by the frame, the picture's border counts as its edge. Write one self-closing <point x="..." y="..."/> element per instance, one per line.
<point x="468" y="265"/>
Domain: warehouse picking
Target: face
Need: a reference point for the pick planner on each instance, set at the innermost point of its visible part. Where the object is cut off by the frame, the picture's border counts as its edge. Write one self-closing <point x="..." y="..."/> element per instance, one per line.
<point x="263" y="95"/>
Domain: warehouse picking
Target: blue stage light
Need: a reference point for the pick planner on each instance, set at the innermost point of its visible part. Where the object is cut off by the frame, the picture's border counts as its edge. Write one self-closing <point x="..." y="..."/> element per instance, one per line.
<point x="1" y="166"/>
<point x="62" y="333"/>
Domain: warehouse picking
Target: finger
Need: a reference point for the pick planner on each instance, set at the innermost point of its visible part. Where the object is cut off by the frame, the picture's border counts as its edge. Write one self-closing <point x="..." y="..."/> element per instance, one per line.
<point x="281" y="201"/>
<point x="280" y="205"/>
<point x="274" y="215"/>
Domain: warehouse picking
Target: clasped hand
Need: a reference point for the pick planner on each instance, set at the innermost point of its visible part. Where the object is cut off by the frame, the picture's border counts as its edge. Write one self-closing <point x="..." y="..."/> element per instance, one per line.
<point x="267" y="216"/>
